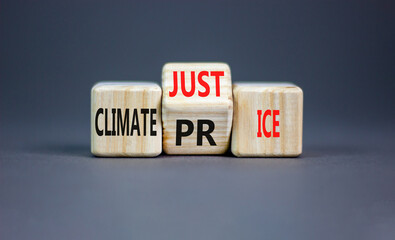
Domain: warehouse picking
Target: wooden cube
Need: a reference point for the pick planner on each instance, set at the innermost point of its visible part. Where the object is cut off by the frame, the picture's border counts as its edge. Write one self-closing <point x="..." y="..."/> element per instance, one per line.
<point x="197" y="108"/>
<point x="126" y="119"/>
<point x="268" y="119"/>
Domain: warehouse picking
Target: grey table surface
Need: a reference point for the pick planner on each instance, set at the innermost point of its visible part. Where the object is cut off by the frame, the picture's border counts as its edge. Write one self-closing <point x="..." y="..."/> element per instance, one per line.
<point x="342" y="187"/>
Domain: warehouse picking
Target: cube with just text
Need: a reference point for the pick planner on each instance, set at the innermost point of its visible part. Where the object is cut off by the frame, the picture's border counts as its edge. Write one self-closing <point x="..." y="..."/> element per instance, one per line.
<point x="126" y="119"/>
<point x="197" y="108"/>
<point x="268" y="120"/>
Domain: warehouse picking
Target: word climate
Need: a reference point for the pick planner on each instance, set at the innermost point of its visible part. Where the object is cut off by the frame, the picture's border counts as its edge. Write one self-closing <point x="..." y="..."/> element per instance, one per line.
<point x="121" y="122"/>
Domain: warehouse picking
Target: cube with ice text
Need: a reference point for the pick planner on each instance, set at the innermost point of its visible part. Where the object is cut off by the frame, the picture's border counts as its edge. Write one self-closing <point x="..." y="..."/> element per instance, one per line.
<point x="268" y="120"/>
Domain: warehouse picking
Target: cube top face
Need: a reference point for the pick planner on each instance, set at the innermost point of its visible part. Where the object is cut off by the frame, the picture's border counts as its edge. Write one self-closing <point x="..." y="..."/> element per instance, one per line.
<point x="125" y="86"/>
<point x="259" y="86"/>
<point x="126" y="119"/>
<point x="268" y="120"/>
<point x="197" y="108"/>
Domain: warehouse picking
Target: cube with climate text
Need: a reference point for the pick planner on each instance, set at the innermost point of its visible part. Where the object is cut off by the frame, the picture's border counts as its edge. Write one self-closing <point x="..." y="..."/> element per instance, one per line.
<point x="268" y="120"/>
<point x="197" y="108"/>
<point x="126" y="119"/>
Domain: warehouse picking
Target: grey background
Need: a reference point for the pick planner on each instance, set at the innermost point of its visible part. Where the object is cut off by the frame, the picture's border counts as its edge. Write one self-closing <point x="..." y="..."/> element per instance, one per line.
<point x="341" y="53"/>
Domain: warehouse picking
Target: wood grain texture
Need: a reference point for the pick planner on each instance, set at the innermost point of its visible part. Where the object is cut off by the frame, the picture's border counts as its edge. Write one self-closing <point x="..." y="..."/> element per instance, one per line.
<point x="218" y="109"/>
<point x="123" y="96"/>
<point x="248" y="99"/>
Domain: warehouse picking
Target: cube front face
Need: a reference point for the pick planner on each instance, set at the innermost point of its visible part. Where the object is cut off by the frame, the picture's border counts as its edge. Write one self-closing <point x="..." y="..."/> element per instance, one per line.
<point x="268" y="120"/>
<point x="197" y="108"/>
<point x="126" y="119"/>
